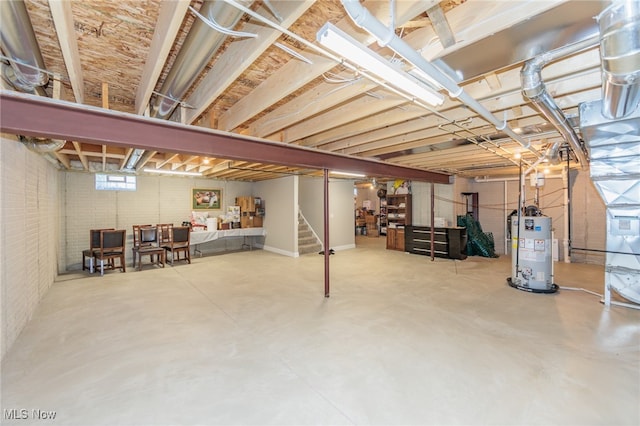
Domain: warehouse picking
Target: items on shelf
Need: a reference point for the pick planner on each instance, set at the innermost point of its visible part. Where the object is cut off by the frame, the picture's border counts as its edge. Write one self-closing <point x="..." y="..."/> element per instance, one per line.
<point x="398" y="209"/>
<point x="251" y="211"/>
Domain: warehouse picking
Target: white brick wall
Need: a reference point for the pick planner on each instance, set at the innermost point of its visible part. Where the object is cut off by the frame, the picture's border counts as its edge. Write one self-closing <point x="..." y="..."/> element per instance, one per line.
<point x="29" y="231"/>
<point x="158" y="199"/>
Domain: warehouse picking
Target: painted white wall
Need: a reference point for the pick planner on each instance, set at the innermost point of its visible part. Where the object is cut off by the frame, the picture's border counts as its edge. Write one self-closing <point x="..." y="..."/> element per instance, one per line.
<point x="588" y="220"/>
<point x="281" y="214"/>
<point x="421" y="203"/>
<point x="588" y="213"/>
<point x="341" y="212"/>
<point x="29" y="234"/>
<point x="367" y="192"/>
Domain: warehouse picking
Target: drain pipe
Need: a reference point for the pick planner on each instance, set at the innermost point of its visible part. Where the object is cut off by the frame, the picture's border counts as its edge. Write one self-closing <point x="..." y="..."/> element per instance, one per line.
<point x="364" y="19"/>
<point x="26" y="70"/>
<point x="566" y="241"/>
<point x="533" y="88"/>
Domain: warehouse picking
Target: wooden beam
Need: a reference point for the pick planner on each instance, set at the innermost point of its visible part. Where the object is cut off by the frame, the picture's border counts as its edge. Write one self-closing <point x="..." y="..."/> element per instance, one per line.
<point x="83" y="158"/>
<point x="295" y="74"/>
<point x="63" y="21"/>
<point x="169" y="21"/>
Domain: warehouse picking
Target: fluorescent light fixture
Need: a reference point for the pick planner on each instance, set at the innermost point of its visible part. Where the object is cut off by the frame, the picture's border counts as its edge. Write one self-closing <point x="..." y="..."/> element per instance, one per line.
<point x="353" y="51"/>
<point x="172" y="172"/>
<point x="349" y="174"/>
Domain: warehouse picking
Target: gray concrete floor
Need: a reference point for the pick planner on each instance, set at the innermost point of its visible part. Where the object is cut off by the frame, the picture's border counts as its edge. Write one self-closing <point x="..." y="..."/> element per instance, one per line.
<point x="248" y="338"/>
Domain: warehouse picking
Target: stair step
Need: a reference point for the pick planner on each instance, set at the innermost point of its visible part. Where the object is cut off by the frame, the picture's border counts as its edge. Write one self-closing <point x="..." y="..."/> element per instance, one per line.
<point x="309" y="248"/>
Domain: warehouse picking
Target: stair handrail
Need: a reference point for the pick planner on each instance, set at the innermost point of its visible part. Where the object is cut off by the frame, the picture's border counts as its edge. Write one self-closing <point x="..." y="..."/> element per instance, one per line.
<point x="311" y="228"/>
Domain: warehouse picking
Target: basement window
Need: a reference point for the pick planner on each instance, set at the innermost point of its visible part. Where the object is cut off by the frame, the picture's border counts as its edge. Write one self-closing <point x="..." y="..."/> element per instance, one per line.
<point x="115" y="182"/>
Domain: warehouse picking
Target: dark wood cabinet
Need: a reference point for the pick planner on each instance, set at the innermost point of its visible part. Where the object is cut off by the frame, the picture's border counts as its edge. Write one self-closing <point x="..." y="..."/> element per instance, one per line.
<point x="398" y="217"/>
<point x="449" y="243"/>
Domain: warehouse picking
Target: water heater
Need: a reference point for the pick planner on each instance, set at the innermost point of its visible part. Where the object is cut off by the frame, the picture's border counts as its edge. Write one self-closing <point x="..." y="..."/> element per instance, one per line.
<point x="531" y="257"/>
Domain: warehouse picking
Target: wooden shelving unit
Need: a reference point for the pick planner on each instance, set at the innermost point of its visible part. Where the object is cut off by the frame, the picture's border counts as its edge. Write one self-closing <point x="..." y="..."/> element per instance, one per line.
<point x="398" y="216"/>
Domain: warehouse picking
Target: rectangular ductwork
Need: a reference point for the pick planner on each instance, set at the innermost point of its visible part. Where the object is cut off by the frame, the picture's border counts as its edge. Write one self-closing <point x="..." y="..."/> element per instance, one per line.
<point x="614" y="147"/>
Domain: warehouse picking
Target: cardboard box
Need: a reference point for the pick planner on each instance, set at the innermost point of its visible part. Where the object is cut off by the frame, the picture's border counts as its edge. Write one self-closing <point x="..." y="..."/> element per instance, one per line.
<point x="247" y="221"/>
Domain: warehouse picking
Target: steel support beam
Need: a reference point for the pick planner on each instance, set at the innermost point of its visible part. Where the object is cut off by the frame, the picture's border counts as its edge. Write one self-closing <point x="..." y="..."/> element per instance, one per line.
<point x="30" y="115"/>
<point x="327" y="247"/>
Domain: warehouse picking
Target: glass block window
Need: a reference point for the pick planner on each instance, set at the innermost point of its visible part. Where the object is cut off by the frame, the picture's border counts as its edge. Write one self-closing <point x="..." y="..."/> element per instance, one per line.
<point x="115" y="182"/>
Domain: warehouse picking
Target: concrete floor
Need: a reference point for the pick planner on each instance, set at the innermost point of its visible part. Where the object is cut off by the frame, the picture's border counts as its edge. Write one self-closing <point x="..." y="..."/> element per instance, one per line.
<point x="248" y="338"/>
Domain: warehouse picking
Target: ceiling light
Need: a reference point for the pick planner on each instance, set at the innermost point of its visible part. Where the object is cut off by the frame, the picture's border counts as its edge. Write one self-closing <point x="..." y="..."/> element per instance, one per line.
<point x="349" y="174"/>
<point x="172" y="172"/>
<point x="350" y="49"/>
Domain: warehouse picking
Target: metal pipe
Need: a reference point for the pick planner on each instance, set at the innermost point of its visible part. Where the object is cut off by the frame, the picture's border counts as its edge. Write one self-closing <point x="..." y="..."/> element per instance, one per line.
<point x="44" y="117"/>
<point x="199" y="47"/>
<point x="433" y="223"/>
<point x="364" y="19"/>
<point x="565" y="240"/>
<point x="41" y="145"/>
<point x="326" y="234"/>
<point x="506" y="215"/>
<point x="534" y="89"/>
<point x="19" y="42"/>
<point x="620" y="51"/>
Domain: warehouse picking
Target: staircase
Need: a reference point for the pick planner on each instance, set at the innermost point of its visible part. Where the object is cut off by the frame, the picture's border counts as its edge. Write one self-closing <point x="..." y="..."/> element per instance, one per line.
<point x="307" y="241"/>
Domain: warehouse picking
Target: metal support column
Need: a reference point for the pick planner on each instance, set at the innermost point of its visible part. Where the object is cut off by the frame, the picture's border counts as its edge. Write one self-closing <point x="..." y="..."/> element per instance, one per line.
<point x="433" y="221"/>
<point x="326" y="233"/>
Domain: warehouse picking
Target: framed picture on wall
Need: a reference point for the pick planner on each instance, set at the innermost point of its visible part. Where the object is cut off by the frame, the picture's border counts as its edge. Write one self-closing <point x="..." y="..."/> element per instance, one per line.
<point x="206" y="199"/>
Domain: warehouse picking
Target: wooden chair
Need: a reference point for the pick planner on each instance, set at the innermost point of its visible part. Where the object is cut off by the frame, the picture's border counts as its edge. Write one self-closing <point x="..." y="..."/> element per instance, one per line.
<point x="137" y="241"/>
<point x="146" y="244"/>
<point x="112" y="245"/>
<point x="94" y="243"/>
<point x="180" y="240"/>
<point x="164" y="233"/>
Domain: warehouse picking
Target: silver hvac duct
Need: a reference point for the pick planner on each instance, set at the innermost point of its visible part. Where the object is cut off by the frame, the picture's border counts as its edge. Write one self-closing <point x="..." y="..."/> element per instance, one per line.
<point x="199" y="47"/>
<point x="533" y="88"/>
<point x="19" y="44"/>
<point x="25" y="70"/>
<point x="614" y="146"/>
<point x="610" y="130"/>
<point x="620" y="52"/>
<point x="40" y="145"/>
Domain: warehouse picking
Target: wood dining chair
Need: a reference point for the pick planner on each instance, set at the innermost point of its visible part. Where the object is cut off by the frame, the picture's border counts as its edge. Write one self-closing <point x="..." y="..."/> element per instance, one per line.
<point x="137" y="240"/>
<point x="147" y="239"/>
<point x="112" y="246"/>
<point x="180" y="243"/>
<point x="94" y="244"/>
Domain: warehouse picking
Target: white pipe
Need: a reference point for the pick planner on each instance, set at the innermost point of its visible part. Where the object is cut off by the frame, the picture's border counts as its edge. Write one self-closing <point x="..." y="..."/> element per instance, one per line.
<point x="506" y="240"/>
<point x="606" y="299"/>
<point x="565" y="240"/>
<point x="507" y="179"/>
<point x="533" y="166"/>
<point x="361" y="16"/>
<point x="580" y="289"/>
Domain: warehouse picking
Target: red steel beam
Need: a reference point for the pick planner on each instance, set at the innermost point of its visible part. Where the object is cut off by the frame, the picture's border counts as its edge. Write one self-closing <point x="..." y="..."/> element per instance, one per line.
<point x="30" y="115"/>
